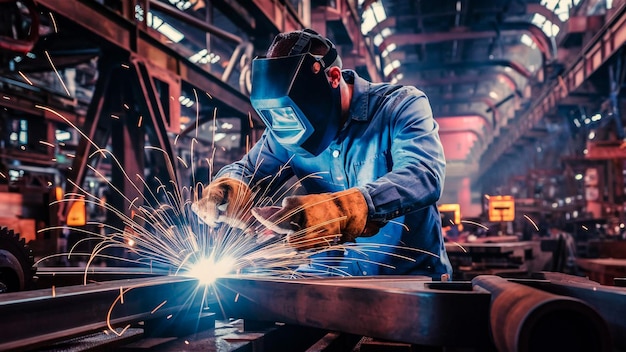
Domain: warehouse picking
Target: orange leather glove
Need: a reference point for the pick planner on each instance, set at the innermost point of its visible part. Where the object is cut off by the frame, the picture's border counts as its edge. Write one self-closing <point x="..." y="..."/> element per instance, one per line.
<point x="225" y="200"/>
<point x="318" y="220"/>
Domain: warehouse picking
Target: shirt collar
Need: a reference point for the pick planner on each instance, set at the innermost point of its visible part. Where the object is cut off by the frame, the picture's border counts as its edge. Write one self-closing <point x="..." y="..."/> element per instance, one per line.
<point x="359" y="103"/>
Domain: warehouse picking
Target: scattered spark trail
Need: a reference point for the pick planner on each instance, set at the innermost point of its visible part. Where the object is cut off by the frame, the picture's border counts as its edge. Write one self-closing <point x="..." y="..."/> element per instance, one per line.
<point x="532" y="222"/>
<point x="25" y="78"/>
<point x="57" y="73"/>
<point x="54" y="23"/>
<point x="475" y="223"/>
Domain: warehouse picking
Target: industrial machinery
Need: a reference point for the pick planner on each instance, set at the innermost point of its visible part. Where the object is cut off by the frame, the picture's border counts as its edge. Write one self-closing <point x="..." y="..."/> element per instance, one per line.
<point x="16" y="262"/>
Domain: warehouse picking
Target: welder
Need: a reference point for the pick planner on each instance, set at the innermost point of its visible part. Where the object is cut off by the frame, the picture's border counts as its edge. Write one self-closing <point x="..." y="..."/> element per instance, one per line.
<point x="367" y="155"/>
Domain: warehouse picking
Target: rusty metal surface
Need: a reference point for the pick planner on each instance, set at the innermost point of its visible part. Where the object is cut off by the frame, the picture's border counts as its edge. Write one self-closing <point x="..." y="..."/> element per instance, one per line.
<point x="36" y="318"/>
<point x="405" y="309"/>
<point x="526" y="319"/>
<point x="608" y="301"/>
<point x="47" y="277"/>
<point x="560" y="311"/>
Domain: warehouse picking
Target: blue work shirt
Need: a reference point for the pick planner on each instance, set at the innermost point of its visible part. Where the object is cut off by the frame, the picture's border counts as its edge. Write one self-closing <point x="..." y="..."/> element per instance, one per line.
<point x="390" y="150"/>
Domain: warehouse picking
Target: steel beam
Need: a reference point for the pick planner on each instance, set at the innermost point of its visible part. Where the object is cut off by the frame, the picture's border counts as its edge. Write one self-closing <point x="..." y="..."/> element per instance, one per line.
<point x="446" y="66"/>
<point x="489" y="77"/>
<point x="557" y="311"/>
<point x="404" y="309"/>
<point x="32" y="319"/>
<point x="131" y="37"/>
<point x="606" y="42"/>
<point x="544" y="43"/>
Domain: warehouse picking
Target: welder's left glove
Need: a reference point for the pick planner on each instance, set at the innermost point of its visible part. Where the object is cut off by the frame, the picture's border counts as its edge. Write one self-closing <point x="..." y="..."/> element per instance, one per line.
<point x="225" y="200"/>
<point x="318" y="220"/>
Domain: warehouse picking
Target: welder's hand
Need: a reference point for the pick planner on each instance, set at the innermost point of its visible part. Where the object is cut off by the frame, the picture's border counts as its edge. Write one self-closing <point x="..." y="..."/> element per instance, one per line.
<point x="318" y="220"/>
<point x="225" y="200"/>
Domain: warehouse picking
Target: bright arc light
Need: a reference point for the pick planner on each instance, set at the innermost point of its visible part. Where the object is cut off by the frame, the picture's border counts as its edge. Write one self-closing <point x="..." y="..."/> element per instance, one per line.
<point x="207" y="270"/>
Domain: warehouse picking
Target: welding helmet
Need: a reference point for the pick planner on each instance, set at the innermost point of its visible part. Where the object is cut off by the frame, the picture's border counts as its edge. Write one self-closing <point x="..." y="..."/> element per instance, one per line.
<point x="294" y="98"/>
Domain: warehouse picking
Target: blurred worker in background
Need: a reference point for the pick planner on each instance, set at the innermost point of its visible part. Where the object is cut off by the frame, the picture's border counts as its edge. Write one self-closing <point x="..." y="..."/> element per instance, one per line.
<point x="367" y="155"/>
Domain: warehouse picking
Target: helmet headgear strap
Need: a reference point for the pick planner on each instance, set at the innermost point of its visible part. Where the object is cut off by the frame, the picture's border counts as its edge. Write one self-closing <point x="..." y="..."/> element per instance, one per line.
<point x="303" y="45"/>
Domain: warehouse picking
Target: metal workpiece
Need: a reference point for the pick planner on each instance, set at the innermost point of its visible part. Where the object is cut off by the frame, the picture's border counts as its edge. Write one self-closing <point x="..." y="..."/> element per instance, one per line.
<point x="40" y="317"/>
<point x="608" y="301"/>
<point x="523" y="318"/>
<point x="405" y="309"/>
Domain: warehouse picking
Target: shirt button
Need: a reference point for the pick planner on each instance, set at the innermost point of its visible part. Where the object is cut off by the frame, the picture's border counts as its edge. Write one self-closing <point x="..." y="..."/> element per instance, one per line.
<point x="335" y="153"/>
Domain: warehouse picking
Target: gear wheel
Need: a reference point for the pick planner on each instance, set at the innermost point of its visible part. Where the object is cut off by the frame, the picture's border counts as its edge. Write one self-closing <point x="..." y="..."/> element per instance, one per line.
<point x="16" y="262"/>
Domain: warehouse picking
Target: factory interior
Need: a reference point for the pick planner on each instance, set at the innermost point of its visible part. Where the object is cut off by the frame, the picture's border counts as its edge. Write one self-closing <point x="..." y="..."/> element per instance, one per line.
<point x="95" y="227"/>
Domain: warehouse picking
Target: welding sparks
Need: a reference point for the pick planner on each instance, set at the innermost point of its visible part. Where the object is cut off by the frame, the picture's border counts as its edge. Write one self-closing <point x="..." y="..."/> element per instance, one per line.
<point x="54" y="23"/>
<point x="57" y="73"/>
<point x="159" y="230"/>
<point x="158" y="307"/>
<point x="475" y="223"/>
<point x="207" y="270"/>
<point x="532" y="222"/>
<point x="25" y="78"/>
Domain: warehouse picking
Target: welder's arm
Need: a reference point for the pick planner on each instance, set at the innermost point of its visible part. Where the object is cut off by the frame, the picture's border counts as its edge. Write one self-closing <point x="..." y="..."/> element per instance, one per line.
<point x="230" y="196"/>
<point x="318" y="220"/>
<point x="263" y="166"/>
<point x="418" y="172"/>
<point x="225" y="200"/>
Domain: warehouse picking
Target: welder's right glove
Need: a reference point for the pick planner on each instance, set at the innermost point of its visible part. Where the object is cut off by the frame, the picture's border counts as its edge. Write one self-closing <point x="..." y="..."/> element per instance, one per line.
<point x="319" y="220"/>
<point x="225" y="200"/>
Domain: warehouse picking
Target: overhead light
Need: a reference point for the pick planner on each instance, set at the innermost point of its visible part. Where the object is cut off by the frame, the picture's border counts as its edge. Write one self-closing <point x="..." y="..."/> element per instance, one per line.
<point x="181" y="4"/>
<point x="389" y="68"/>
<point x="204" y="56"/>
<point x="397" y="77"/>
<point x="372" y="15"/>
<point x="164" y="28"/>
<point x="171" y="33"/>
<point x="63" y="135"/>
<point x="219" y="136"/>
<point x="391" y="47"/>
<point x="528" y="41"/>
<point x="493" y="94"/>
<point x="549" y="28"/>
<point x="197" y="56"/>
<point x="378" y="38"/>
<point x="185" y="101"/>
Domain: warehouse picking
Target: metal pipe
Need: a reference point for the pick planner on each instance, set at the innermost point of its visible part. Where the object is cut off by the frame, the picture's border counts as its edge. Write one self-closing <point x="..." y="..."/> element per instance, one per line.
<point x="608" y="301"/>
<point x="526" y="319"/>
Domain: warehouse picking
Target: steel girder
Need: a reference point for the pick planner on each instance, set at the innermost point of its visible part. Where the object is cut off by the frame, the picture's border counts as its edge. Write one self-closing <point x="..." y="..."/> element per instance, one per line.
<point x="32" y="319"/>
<point x="487" y="312"/>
